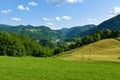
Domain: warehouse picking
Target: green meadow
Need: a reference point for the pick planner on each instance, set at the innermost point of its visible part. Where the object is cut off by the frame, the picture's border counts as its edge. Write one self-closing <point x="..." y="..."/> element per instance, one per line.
<point x="30" y="68"/>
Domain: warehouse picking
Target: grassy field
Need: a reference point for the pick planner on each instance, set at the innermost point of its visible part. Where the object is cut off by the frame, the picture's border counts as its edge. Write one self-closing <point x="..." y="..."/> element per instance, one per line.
<point x="104" y="50"/>
<point x="29" y="68"/>
<point x="96" y="61"/>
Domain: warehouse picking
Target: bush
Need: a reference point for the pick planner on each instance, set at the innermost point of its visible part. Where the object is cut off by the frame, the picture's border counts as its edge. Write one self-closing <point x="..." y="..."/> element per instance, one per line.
<point x="11" y="45"/>
<point x="118" y="57"/>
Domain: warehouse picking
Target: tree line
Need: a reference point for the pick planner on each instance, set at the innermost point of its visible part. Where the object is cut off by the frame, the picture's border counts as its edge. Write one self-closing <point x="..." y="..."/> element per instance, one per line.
<point x="96" y="36"/>
<point x="15" y="45"/>
<point x="22" y="45"/>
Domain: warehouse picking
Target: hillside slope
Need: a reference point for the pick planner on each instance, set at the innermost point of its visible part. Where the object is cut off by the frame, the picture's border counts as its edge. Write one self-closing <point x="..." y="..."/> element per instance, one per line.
<point x="34" y="32"/>
<point x="104" y="50"/>
<point x="43" y="32"/>
<point x="112" y="24"/>
<point x="75" y="31"/>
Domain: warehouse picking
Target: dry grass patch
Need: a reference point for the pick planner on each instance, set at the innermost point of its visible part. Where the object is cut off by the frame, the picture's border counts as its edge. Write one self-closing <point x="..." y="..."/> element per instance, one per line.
<point x="104" y="50"/>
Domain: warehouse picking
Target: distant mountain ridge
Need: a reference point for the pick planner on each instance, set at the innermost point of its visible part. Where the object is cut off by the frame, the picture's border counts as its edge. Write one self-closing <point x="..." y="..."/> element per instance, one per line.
<point x="112" y="24"/>
<point x="34" y="32"/>
<point x="75" y="31"/>
<point x="43" y="32"/>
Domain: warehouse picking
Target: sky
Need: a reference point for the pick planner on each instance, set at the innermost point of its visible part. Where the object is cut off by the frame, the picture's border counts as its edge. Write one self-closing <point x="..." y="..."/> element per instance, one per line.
<point x="57" y="14"/>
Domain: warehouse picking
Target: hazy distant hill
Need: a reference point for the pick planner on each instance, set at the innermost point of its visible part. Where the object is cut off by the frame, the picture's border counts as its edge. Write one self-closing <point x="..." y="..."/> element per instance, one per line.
<point x="38" y="32"/>
<point x="112" y="24"/>
<point x="43" y="32"/>
<point x="77" y="31"/>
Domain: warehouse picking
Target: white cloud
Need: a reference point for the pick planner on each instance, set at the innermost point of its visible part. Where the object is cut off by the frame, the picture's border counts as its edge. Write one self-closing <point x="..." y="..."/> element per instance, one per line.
<point x="58" y="18"/>
<point x="16" y="19"/>
<point x="33" y="3"/>
<point x="46" y="19"/>
<point x="55" y="2"/>
<point x="111" y="15"/>
<point x="21" y="7"/>
<point x="66" y="17"/>
<point x="51" y="24"/>
<point x="115" y="11"/>
<point x="27" y="8"/>
<point x="91" y="20"/>
<point x="74" y="1"/>
<point x="58" y="2"/>
<point x="6" y="11"/>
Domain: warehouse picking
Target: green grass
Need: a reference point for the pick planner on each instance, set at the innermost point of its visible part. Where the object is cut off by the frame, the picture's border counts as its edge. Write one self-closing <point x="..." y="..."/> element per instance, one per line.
<point x="118" y="38"/>
<point x="29" y="68"/>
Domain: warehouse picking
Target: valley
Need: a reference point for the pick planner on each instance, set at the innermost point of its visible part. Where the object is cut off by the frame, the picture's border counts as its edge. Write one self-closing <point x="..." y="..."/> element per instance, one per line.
<point x="59" y="40"/>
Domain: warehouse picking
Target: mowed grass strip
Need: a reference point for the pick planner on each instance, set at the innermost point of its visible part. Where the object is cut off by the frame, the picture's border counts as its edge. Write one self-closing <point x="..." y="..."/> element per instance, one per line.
<point x="30" y="68"/>
<point x="103" y="50"/>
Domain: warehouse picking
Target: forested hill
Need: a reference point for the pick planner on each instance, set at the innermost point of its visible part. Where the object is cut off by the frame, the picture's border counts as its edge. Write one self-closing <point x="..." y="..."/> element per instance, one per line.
<point x="112" y="24"/>
<point x="34" y="32"/>
<point x="43" y="32"/>
<point x="77" y="31"/>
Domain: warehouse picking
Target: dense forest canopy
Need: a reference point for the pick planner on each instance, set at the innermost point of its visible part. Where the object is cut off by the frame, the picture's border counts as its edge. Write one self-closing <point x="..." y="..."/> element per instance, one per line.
<point x="21" y="45"/>
<point x="15" y="45"/>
